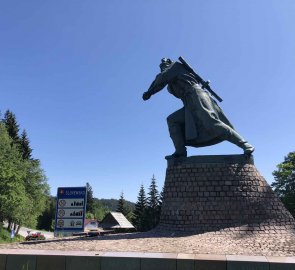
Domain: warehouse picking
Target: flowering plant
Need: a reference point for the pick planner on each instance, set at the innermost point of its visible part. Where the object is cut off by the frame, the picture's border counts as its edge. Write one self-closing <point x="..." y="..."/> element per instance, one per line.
<point x="35" y="236"/>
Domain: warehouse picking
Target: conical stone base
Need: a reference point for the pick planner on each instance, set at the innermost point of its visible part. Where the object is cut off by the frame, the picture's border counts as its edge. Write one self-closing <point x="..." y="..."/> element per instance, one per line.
<point x="213" y="193"/>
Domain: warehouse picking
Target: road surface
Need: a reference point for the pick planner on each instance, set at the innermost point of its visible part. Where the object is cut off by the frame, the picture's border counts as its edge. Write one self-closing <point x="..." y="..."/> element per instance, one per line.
<point x="24" y="231"/>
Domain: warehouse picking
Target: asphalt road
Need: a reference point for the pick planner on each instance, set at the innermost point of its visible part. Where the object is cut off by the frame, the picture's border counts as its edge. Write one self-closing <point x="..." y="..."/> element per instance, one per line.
<point x="24" y="231"/>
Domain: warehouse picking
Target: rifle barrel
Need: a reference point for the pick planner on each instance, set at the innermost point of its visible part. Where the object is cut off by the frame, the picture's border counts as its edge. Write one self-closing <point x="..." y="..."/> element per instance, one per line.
<point x="199" y="79"/>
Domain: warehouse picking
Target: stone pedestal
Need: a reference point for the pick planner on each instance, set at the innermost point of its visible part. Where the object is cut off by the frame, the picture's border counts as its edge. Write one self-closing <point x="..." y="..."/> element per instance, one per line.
<point x="213" y="193"/>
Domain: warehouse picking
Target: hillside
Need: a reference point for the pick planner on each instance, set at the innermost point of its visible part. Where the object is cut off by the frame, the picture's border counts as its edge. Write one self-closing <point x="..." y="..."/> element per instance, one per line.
<point x="112" y="204"/>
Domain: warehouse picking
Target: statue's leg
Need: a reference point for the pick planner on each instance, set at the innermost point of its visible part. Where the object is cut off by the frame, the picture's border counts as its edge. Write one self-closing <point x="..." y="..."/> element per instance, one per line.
<point x="208" y="113"/>
<point x="235" y="138"/>
<point x="176" y="124"/>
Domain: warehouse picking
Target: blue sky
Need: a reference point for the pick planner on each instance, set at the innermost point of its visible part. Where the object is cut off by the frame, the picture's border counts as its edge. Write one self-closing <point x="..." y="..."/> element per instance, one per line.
<point x="74" y="72"/>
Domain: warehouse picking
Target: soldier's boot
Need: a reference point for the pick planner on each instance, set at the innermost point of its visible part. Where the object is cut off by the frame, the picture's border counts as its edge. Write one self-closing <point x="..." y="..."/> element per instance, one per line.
<point x="177" y="136"/>
<point x="235" y="138"/>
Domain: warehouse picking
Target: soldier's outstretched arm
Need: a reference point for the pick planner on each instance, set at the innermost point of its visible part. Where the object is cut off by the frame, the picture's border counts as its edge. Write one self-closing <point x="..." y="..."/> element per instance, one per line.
<point x="157" y="85"/>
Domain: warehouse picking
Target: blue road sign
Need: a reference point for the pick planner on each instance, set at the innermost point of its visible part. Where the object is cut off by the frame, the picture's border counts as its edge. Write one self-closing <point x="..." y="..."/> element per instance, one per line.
<point x="70" y="209"/>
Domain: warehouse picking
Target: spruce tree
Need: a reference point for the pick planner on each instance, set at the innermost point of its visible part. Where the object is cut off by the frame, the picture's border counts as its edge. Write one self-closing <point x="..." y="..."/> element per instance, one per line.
<point x="153" y="199"/>
<point x="25" y="148"/>
<point x="140" y="212"/>
<point x="153" y="204"/>
<point x="122" y="205"/>
<point x="90" y="199"/>
<point x="12" y="126"/>
<point x="161" y="198"/>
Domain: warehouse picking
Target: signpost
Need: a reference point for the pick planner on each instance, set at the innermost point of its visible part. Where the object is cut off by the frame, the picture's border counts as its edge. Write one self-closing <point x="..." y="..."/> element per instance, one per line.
<point x="70" y="210"/>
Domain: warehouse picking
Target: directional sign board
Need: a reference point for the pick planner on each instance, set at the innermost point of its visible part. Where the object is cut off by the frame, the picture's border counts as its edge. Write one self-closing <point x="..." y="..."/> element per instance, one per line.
<point x="70" y="210"/>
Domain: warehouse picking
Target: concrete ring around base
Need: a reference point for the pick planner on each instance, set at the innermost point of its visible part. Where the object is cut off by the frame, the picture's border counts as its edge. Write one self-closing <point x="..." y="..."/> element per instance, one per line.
<point x="11" y="259"/>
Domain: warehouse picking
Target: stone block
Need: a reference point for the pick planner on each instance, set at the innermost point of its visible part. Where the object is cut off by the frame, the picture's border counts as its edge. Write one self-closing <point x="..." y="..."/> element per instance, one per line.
<point x="247" y="262"/>
<point x="2" y="261"/>
<point x="79" y="262"/>
<point x="46" y="262"/>
<point x="158" y="264"/>
<point x="281" y="263"/>
<point x="21" y="262"/>
<point x="119" y="263"/>
<point x="281" y="266"/>
<point x="212" y="262"/>
<point x="158" y="261"/>
<point x="185" y="262"/>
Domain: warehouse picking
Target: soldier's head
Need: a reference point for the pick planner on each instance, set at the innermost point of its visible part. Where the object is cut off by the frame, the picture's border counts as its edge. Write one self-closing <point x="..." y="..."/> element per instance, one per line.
<point x="165" y="63"/>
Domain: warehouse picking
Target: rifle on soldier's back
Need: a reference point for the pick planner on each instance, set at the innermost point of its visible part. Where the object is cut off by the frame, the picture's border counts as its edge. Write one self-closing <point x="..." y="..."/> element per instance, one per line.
<point x="205" y="84"/>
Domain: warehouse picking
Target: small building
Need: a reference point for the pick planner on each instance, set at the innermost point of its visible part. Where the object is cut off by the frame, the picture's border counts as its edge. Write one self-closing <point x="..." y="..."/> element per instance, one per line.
<point x="90" y="224"/>
<point x="116" y="221"/>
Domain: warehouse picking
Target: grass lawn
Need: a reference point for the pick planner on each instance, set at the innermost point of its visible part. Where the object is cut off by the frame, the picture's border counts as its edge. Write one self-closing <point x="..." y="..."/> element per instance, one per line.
<point x="5" y="237"/>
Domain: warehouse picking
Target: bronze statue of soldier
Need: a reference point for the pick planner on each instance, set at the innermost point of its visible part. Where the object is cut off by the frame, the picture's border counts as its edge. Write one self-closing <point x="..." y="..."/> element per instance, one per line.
<point x="201" y="121"/>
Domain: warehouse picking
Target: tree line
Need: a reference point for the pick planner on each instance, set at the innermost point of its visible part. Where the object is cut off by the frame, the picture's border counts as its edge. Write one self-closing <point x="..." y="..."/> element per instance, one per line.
<point x="144" y="214"/>
<point x="24" y="190"/>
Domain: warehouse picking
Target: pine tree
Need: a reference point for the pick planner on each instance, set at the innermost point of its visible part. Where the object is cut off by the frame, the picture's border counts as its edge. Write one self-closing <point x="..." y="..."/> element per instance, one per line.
<point x="12" y="126"/>
<point x="153" y="199"/>
<point x="90" y="199"/>
<point x="153" y="204"/>
<point x="25" y="148"/>
<point x="140" y="212"/>
<point x="122" y="205"/>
